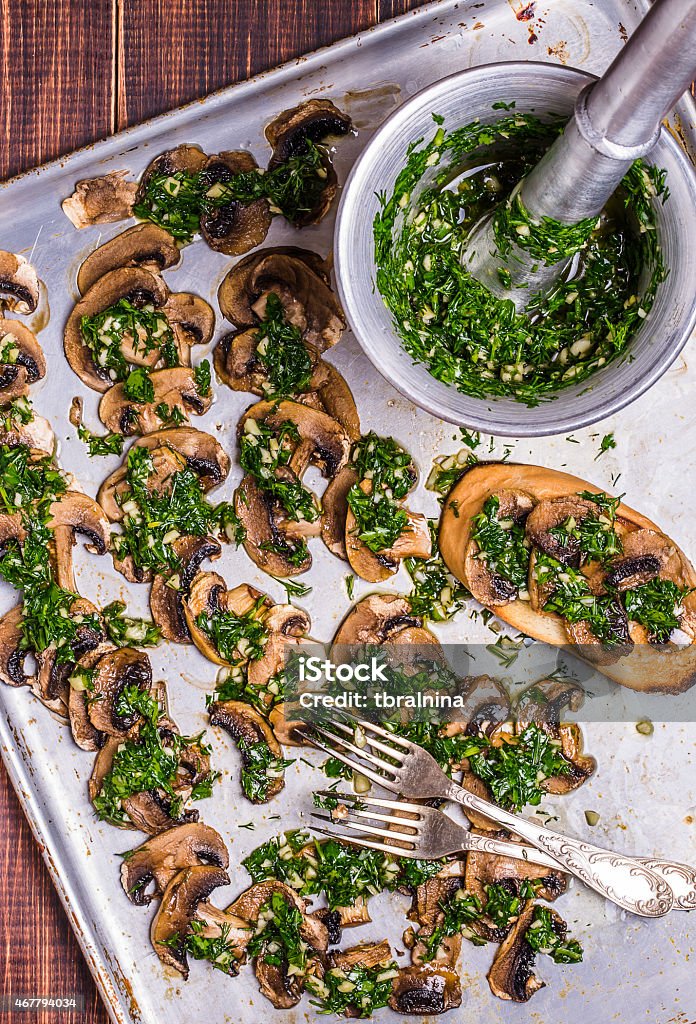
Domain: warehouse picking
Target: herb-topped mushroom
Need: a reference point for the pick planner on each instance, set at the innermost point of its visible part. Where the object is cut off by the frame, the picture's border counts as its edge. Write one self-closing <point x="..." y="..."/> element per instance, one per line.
<point x="169" y="192"/>
<point x="379" y="532"/>
<point x="235" y="215"/>
<point x="147" y="401"/>
<point x="263" y="764"/>
<point x="22" y="361"/>
<point x="277" y="444"/>
<point x="148" y="869"/>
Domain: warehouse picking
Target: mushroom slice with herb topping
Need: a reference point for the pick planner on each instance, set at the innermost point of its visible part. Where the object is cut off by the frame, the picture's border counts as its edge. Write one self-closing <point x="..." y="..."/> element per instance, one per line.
<point x="414" y="541"/>
<point x="115" y="672"/>
<point x="203" y="453"/>
<point x="101" y="200"/>
<point x="144" y="245"/>
<point x="36" y="433"/>
<point x="12" y="654"/>
<point x="22" y="361"/>
<point x="168" y="592"/>
<point x="19" y="285"/>
<point x="334" y="513"/>
<point x="496" y="546"/>
<point x="226" y="625"/>
<point x="543" y="704"/>
<point x="227" y="224"/>
<point x="546" y="522"/>
<point x="375" y="620"/>
<point x="300" y="281"/>
<point x="52" y="682"/>
<point x="286" y="626"/>
<point x="172" y="392"/>
<point x="511" y="975"/>
<point x="84" y="732"/>
<point x="262" y="756"/>
<point x="139" y="288"/>
<point x="192" y="321"/>
<point x="292" y="133"/>
<point x="166" y="462"/>
<point x="161" y="857"/>
<point x="185" y="902"/>
<point x="425" y="990"/>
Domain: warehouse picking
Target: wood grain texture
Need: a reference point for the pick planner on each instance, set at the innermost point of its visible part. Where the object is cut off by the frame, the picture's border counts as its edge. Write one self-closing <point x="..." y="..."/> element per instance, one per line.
<point x="71" y="71"/>
<point x="57" y="61"/>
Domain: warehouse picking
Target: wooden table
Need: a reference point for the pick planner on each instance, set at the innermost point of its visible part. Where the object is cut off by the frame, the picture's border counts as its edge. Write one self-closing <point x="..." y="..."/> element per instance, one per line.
<point x="71" y="72"/>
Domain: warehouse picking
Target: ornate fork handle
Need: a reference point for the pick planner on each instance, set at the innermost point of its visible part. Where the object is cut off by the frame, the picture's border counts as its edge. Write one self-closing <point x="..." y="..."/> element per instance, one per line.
<point x="623" y="880"/>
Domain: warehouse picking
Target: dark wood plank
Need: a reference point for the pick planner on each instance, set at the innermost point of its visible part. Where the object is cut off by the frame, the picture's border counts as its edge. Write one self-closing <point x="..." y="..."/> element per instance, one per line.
<point x="38" y="952"/>
<point x="172" y="51"/>
<point x="56" y="69"/>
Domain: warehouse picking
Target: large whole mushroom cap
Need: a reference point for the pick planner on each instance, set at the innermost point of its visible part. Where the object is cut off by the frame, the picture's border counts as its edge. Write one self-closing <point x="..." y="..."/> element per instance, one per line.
<point x="133" y="283"/>
<point x="19" y="285"/>
<point x="144" y="245"/>
<point x="236" y="227"/>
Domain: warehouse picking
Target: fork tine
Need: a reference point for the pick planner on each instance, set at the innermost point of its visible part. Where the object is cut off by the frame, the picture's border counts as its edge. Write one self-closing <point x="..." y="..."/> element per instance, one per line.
<point x="396" y="805"/>
<point x="365" y="724"/>
<point x="398" y="755"/>
<point x="381" y="780"/>
<point x="358" y="751"/>
<point x="370" y="830"/>
<point x="414" y="823"/>
<point x="354" y="841"/>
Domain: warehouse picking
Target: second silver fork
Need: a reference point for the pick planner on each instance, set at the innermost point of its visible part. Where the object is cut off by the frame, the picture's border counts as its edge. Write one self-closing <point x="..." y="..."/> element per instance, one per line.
<point x="404" y="768"/>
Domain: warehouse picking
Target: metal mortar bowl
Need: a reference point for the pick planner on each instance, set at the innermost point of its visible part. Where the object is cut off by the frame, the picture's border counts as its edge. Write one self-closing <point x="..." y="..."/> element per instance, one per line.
<point x="540" y="89"/>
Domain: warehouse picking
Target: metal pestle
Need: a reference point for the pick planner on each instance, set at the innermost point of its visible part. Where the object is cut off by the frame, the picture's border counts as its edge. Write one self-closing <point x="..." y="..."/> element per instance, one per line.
<point x="616" y="120"/>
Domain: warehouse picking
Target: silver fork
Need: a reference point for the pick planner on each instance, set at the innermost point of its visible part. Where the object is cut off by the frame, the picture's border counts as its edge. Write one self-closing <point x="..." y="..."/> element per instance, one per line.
<point x="429" y="834"/>
<point x="412" y="772"/>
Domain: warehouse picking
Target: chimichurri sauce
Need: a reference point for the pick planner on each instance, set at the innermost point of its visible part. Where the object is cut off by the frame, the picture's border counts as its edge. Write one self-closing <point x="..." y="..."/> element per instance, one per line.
<point x="452" y="323"/>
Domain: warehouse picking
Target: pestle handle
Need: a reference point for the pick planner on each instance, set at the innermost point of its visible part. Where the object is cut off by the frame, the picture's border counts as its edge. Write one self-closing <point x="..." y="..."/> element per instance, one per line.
<point x="617" y="119"/>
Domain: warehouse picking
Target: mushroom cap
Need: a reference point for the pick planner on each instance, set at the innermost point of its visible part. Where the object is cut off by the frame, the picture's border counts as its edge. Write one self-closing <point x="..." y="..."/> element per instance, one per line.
<point x="28" y="357"/>
<point x="203" y="453"/>
<point x="376" y="619"/>
<point x="188" y="158"/>
<point x="334" y="504"/>
<point x="335" y="397"/>
<point x="510" y="976"/>
<point x="116" y="670"/>
<point x="144" y="245"/>
<point x="425" y="990"/>
<point x="486" y="705"/>
<point x="377" y="566"/>
<point x="192" y="320"/>
<point x="133" y="283"/>
<point x="162" y="856"/>
<point x="300" y="280"/>
<point x="166" y="462"/>
<point x="245" y="725"/>
<point x="314" y="119"/>
<point x="552" y="513"/>
<point x="166" y="602"/>
<point x="51" y="685"/>
<point x="177" y="910"/>
<point x="101" y="200"/>
<point x="265" y="541"/>
<point x="208" y="594"/>
<point x="323" y="441"/>
<point x="640" y="670"/>
<point x="19" y="284"/>
<point x="11" y="654"/>
<point x="81" y="514"/>
<point x="175" y="387"/>
<point x="236" y="227"/>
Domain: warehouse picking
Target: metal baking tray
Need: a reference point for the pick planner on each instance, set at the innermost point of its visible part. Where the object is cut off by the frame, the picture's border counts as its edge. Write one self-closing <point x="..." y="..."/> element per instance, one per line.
<point x="645" y="789"/>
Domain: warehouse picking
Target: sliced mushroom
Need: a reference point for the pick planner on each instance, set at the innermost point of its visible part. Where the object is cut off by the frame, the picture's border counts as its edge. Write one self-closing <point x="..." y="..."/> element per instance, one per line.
<point x="11" y="530"/>
<point x="286" y="626"/>
<point x="75" y="513"/>
<point x="330" y="389"/>
<point x="486" y="585"/>
<point x="203" y="453"/>
<point x="323" y="441"/>
<point x="160" y="857"/>
<point x="186" y="158"/>
<point x="544" y="703"/>
<point x="298" y="279"/>
<point x="593" y="649"/>
<point x="51" y="685"/>
<point x="19" y="285"/>
<point x="511" y="975"/>
<point x="208" y="594"/>
<point x="375" y="620"/>
<point x="37" y="434"/>
<point x="377" y="566"/>
<point x="116" y="670"/>
<point x="192" y="321"/>
<point x="166" y="462"/>
<point x="266" y="538"/>
<point x="547" y="516"/>
<point x="179" y="908"/>
<point x="288" y="134"/>
<point x="101" y="200"/>
<point x="84" y="732"/>
<point x="144" y="245"/>
<point x="425" y="990"/>
<point x="236" y="227"/>
<point x="12" y="654"/>
<point x="485" y="706"/>
<point x="137" y="285"/>
<point x="366" y="954"/>
<point x="176" y="388"/>
<point x="22" y="362"/>
<point x="334" y="504"/>
<point x="167" y="592"/>
<point x="247" y="728"/>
